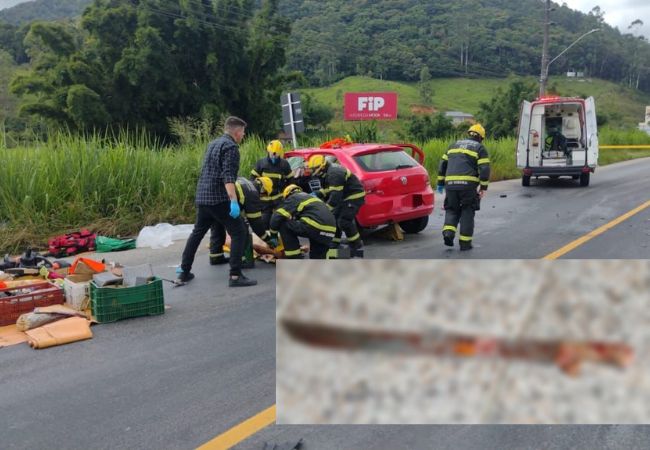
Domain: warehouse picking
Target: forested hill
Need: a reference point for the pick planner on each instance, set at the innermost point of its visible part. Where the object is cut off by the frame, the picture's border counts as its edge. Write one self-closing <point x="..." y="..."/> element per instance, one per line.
<point x="395" y="39"/>
<point x="43" y="10"/>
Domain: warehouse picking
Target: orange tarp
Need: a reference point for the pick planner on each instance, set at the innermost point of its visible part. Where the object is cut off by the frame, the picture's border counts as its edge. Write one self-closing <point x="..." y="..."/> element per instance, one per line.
<point x="59" y="333"/>
<point x="9" y="335"/>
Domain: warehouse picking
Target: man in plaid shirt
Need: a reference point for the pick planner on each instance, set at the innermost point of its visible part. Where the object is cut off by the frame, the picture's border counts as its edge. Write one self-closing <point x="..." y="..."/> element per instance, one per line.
<point x="216" y="201"/>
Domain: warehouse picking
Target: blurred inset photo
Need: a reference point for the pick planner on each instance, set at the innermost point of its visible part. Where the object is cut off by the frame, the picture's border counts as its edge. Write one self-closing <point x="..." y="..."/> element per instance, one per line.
<point x="454" y="342"/>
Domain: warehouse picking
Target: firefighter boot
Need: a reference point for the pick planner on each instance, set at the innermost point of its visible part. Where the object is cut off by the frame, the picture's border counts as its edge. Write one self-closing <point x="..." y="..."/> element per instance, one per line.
<point x="465" y="245"/>
<point x="356" y="249"/>
<point x="448" y="237"/>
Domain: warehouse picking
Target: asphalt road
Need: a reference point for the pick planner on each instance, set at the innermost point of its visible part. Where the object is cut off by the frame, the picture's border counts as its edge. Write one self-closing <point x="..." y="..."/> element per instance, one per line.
<point x="521" y="223"/>
<point x="180" y="379"/>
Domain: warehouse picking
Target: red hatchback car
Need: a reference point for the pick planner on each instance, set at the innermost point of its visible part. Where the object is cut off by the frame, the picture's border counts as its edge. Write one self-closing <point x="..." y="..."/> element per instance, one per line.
<point x="397" y="185"/>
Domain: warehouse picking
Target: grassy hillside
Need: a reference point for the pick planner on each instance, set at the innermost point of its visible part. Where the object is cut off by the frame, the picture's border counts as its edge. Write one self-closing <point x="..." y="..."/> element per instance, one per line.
<point x="623" y="106"/>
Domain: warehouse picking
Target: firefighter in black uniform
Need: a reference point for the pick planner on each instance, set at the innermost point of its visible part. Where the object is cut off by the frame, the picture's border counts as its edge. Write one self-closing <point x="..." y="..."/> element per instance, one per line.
<point x="464" y="171"/>
<point x="301" y="214"/>
<point x="275" y="167"/>
<point x="344" y="194"/>
<point x="248" y="196"/>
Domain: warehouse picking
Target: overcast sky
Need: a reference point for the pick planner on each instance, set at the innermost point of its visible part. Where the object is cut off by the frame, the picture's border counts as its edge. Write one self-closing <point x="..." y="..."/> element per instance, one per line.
<point x="618" y="13"/>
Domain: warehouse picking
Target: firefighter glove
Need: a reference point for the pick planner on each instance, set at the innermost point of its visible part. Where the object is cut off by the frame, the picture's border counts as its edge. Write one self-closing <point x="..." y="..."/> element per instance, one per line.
<point x="440" y="189"/>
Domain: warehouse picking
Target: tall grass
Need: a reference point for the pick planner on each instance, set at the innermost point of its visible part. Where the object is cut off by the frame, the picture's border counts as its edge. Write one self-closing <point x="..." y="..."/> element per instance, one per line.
<point x="501" y="152"/>
<point x="112" y="186"/>
<point x="115" y="185"/>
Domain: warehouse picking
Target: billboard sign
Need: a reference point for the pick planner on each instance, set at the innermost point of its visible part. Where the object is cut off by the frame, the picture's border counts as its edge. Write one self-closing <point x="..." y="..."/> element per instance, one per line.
<point x="370" y="106"/>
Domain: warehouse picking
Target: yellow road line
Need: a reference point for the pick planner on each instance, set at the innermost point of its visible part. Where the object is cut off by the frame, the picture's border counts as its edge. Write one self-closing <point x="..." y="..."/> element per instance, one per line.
<point x="242" y="431"/>
<point x="624" y="146"/>
<point x="592" y="234"/>
<point x="265" y="418"/>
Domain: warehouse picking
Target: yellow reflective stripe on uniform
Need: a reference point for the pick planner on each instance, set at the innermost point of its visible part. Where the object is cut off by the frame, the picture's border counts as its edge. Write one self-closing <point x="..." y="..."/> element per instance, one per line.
<point x="271" y="175"/>
<point x="240" y="193"/>
<point x="441" y="178"/>
<point x="317" y="225"/>
<point x="449" y="228"/>
<point x="270" y="198"/>
<point x="471" y="153"/>
<point x="302" y="205"/>
<point x="254" y="173"/>
<point x="283" y="212"/>
<point x="347" y="174"/>
<point x="324" y="191"/>
<point x="292" y="252"/>
<point x="335" y="188"/>
<point x="464" y="238"/>
<point x="354" y="237"/>
<point x="355" y="196"/>
<point x="254" y="215"/>
<point x="484" y="183"/>
<point x="484" y="161"/>
<point x="445" y="157"/>
<point x="462" y="178"/>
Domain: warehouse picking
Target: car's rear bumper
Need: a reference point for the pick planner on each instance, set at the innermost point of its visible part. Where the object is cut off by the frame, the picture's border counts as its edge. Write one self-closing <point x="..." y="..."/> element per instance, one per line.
<point x="551" y="171"/>
<point x="380" y="210"/>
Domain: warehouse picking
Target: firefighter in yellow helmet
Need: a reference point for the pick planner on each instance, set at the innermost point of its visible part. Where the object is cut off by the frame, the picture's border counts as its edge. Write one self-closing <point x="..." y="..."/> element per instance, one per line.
<point x="344" y="194"/>
<point x="464" y="171"/>
<point x="275" y="167"/>
<point x="248" y="197"/>
<point x="301" y="214"/>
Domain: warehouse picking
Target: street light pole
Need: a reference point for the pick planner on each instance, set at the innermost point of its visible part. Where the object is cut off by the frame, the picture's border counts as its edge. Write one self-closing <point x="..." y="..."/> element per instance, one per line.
<point x="544" y="72"/>
<point x="545" y="64"/>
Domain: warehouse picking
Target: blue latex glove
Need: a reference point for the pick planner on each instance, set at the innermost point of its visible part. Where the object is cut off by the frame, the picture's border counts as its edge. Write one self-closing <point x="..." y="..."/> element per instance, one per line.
<point x="313" y="194"/>
<point x="273" y="242"/>
<point x="440" y="189"/>
<point x="234" y="209"/>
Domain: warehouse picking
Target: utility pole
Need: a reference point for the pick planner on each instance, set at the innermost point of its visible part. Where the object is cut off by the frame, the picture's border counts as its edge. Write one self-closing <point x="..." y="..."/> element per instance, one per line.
<point x="544" y="72"/>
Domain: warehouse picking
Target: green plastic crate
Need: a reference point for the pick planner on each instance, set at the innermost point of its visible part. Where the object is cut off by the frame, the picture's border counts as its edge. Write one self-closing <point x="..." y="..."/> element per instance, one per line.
<point x="109" y="304"/>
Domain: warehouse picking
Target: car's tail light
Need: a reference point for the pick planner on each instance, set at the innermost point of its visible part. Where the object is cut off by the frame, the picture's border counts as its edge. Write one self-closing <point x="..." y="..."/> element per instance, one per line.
<point x="372" y="187"/>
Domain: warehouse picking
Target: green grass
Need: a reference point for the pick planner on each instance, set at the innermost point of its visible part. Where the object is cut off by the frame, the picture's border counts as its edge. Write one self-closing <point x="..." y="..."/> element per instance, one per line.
<point x="116" y="186"/>
<point x="623" y="106"/>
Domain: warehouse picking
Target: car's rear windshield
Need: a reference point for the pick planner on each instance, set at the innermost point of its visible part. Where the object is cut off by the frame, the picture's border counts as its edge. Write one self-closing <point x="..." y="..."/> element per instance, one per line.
<point x="385" y="160"/>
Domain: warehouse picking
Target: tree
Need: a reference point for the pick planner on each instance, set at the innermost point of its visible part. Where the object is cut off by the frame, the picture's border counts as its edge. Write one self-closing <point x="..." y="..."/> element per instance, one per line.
<point x="501" y="114"/>
<point x="426" y="93"/>
<point x="316" y="114"/>
<point x="423" y="128"/>
<point x="141" y="62"/>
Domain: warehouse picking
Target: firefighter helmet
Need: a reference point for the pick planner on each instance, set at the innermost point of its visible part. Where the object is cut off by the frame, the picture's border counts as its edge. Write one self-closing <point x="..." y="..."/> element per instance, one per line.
<point x="477" y="129"/>
<point x="265" y="184"/>
<point x="275" y="147"/>
<point x="290" y="190"/>
<point x="316" y="164"/>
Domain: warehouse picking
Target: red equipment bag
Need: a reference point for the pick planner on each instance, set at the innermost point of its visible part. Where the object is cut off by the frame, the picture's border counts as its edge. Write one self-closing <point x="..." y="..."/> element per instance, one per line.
<point x="72" y="243"/>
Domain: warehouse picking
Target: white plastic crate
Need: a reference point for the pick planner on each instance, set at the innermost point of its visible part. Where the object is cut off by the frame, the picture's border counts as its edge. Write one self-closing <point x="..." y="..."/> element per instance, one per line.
<point x="76" y="294"/>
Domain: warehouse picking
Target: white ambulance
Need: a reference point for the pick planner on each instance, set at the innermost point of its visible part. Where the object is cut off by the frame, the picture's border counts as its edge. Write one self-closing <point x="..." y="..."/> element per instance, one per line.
<point x="558" y="136"/>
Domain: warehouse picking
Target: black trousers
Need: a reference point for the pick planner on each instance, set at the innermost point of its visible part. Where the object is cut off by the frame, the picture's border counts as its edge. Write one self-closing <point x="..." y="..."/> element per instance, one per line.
<point x="218" y="234"/>
<point x="218" y="214"/>
<point x="345" y="221"/>
<point x="319" y="241"/>
<point x="460" y="206"/>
